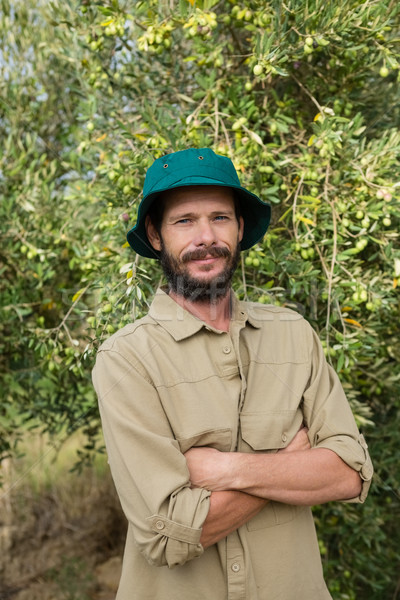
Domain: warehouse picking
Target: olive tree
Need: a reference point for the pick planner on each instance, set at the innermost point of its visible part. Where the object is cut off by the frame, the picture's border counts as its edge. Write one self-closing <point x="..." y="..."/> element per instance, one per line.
<point x="304" y="97"/>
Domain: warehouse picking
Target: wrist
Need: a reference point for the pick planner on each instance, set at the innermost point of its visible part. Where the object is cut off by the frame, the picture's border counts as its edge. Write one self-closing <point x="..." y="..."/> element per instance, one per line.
<point x="236" y="469"/>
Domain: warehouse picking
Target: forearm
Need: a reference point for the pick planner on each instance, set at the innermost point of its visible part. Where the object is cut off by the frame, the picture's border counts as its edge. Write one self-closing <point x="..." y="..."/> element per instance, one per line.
<point x="303" y="477"/>
<point x="228" y="511"/>
<point x="306" y="477"/>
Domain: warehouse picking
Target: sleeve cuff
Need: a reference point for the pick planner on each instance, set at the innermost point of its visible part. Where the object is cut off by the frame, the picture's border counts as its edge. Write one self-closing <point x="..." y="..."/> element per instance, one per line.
<point x="354" y="454"/>
<point x="176" y="531"/>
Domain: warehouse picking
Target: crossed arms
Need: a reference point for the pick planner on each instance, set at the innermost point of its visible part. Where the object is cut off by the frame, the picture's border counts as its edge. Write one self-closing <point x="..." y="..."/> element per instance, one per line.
<point x="242" y="484"/>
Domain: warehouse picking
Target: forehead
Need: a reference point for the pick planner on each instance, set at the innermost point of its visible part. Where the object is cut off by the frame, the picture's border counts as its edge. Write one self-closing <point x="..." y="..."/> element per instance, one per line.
<point x="202" y="196"/>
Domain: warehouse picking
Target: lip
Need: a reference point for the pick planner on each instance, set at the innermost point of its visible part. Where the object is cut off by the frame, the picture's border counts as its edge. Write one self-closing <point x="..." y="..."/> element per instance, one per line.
<point x="206" y="261"/>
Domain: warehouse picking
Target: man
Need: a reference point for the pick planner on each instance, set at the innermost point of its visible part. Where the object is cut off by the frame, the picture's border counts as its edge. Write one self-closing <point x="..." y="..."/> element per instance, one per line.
<point x="222" y="420"/>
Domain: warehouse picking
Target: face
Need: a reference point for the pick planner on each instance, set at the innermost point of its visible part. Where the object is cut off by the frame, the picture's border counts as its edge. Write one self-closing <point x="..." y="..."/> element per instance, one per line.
<point x="198" y="241"/>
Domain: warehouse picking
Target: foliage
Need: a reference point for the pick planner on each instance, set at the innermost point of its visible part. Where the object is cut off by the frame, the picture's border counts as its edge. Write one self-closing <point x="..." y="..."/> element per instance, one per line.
<point x="304" y="98"/>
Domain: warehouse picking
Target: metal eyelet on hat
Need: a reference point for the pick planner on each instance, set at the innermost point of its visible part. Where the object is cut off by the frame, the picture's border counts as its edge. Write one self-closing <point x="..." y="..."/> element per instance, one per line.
<point x="165" y="166"/>
<point x="200" y="157"/>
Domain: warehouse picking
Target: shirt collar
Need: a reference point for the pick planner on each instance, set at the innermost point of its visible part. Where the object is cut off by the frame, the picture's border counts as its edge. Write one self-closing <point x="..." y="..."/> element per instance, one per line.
<point x="181" y="324"/>
<point x="241" y="312"/>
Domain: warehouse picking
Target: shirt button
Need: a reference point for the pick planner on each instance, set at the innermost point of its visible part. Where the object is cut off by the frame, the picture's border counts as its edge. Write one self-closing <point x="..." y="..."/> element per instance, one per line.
<point x="226" y="349"/>
<point x="159" y="525"/>
<point x="284" y="437"/>
<point x="235" y="567"/>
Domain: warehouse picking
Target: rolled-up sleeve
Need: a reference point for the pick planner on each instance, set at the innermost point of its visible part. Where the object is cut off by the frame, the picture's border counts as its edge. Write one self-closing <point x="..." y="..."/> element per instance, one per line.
<point x="330" y="420"/>
<point x="149" y="471"/>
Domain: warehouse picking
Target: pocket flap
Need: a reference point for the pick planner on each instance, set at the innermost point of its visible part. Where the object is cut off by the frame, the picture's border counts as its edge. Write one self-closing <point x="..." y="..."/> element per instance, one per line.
<point x="220" y="439"/>
<point x="270" y="430"/>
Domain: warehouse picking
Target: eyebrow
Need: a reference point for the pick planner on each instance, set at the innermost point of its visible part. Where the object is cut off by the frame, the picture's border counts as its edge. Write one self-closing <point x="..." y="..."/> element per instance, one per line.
<point x="214" y="213"/>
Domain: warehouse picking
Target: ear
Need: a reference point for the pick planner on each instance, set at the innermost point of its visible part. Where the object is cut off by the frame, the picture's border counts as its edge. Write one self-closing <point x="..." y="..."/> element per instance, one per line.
<point x="152" y="234"/>
<point x="241" y="228"/>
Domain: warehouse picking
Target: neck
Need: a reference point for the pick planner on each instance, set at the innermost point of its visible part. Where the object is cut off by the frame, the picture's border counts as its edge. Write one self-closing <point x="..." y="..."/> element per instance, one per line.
<point x="217" y="314"/>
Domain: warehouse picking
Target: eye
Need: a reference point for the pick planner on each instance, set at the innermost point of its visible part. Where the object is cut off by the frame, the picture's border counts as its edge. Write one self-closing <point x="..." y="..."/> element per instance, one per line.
<point x="221" y="218"/>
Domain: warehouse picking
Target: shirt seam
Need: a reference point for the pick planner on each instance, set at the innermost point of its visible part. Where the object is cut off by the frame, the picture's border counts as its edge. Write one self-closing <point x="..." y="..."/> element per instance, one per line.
<point x="135" y="366"/>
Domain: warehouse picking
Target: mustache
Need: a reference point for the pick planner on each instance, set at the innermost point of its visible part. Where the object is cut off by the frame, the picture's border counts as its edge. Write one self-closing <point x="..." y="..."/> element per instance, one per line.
<point x="201" y="253"/>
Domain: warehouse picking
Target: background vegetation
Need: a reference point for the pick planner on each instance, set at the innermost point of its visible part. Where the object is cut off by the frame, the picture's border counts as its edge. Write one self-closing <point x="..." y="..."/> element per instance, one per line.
<point x="304" y="97"/>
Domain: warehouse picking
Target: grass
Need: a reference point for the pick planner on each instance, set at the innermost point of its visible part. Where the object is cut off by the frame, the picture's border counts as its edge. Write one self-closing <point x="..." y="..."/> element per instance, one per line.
<point x="47" y="464"/>
<point x="56" y="524"/>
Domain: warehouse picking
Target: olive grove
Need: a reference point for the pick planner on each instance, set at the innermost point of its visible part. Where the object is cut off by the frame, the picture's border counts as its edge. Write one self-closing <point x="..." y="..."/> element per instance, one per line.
<point x="304" y="97"/>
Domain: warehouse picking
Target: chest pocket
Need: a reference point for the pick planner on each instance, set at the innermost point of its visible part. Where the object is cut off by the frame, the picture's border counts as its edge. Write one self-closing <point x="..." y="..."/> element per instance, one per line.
<point x="269" y="431"/>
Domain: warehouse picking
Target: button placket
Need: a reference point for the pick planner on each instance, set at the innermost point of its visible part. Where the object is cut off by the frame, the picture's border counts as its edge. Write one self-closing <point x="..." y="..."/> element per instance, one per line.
<point x="235" y="565"/>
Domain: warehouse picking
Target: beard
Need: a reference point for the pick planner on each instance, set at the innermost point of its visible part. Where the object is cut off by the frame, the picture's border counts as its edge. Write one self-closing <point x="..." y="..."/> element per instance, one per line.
<point x="197" y="289"/>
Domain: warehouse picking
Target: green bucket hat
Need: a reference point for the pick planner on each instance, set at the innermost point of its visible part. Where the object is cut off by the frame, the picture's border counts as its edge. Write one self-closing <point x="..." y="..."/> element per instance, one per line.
<point x="197" y="166"/>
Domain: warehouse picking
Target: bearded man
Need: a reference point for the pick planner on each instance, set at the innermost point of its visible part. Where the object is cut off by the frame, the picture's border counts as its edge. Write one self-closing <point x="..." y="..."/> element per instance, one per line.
<point x="222" y="420"/>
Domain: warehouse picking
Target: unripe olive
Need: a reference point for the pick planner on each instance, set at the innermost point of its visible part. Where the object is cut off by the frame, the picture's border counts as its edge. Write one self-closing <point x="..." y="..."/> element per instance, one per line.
<point x="365" y="222"/>
<point x="346" y="222"/>
<point x="304" y="253"/>
<point x="383" y="71"/>
<point x="360" y="244"/>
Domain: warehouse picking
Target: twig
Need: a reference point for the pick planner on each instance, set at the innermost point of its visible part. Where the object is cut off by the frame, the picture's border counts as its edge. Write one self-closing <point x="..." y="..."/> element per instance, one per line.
<point x="134" y="271"/>
<point x="216" y="121"/>
<point x="66" y="316"/>
<point x="243" y="276"/>
<point x="228" y="141"/>
<point x="22" y="305"/>
<point x="309" y="94"/>
<point x="334" y="254"/>
<point x="296" y="195"/>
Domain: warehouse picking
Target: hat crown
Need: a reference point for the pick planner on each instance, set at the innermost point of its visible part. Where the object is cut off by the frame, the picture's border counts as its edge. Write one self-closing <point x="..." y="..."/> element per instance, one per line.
<point x="168" y="171"/>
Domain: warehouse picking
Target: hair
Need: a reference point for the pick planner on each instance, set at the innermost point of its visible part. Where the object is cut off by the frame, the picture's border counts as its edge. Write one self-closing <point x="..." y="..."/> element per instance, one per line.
<point x="156" y="210"/>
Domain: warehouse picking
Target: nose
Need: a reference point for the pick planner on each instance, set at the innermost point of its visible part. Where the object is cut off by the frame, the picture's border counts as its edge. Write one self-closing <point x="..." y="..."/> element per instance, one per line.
<point x="205" y="234"/>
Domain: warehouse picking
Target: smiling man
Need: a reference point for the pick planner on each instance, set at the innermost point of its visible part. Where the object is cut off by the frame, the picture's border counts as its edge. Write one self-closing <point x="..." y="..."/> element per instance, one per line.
<point x="199" y="246"/>
<point x="222" y="420"/>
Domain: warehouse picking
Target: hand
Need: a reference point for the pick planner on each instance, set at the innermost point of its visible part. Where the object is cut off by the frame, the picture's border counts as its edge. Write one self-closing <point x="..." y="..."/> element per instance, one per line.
<point x="299" y="442"/>
<point x="209" y="468"/>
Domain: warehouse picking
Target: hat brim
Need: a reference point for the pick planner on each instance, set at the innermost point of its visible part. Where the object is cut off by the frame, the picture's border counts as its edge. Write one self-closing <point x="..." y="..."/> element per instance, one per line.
<point x="256" y="216"/>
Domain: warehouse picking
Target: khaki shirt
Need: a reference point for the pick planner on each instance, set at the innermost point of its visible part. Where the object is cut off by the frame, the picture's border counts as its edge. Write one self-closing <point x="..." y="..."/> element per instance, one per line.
<point x="168" y="382"/>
